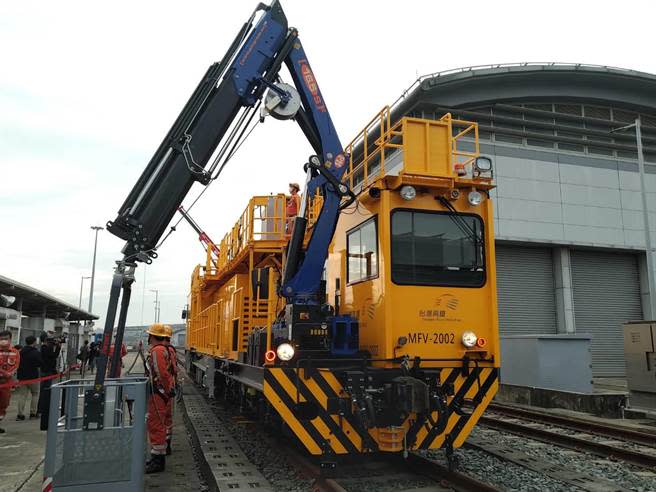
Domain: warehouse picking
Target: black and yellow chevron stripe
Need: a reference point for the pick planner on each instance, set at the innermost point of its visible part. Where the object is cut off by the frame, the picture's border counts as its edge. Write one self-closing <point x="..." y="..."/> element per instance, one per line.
<point x="480" y="384"/>
<point x="321" y="432"/>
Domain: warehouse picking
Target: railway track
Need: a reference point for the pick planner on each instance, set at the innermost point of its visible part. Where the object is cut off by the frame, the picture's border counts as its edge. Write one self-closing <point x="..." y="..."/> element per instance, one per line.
<point x="375" y="472"/>
<point x="180" y="355"/>
<point x="414" y="465"/>
<point x="577" y="424"/>
<point x="423" y="472"/>
<point x="386" y="473"/>
<point x="457" y="480"/>
<point x="440" y="475"/>
<point x="632" y="447"/>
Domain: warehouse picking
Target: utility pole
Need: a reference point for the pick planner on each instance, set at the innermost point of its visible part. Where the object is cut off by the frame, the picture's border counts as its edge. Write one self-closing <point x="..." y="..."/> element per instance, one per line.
<point x="143" y="294"/>
<point x="156" y="304"/>
<point x="645" y="215"/>
<point x="93" y="266"/>
<point x="79" y="304"/>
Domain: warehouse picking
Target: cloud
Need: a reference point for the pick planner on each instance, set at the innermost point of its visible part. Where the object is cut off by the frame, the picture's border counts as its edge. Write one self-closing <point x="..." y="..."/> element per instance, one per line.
<point x="89" y="90"/>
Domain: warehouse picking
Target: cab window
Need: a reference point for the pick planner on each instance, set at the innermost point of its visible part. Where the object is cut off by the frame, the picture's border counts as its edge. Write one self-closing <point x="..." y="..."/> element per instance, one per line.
<point x="437" y="248"/>
<point x="362" y="248"/>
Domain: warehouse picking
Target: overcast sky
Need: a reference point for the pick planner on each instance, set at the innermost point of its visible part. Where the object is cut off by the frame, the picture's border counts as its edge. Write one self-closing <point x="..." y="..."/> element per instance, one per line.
<point x="88" y="90"/>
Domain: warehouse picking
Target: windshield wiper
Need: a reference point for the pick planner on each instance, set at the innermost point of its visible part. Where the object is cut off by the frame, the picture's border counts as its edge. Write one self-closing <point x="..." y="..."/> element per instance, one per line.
<point x="464" y="227"/>
<point x="462" y="224"/>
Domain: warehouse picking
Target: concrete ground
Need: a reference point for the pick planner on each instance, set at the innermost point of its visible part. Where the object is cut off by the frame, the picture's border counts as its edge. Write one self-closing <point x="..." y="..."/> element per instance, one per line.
<point x="22" y="450"/>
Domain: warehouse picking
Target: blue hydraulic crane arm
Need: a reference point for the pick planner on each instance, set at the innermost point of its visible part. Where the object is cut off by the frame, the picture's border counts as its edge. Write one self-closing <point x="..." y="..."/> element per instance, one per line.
<point x="217" y="114"/>
<point x="302" y="276"/>
<point x="210" y="128"/>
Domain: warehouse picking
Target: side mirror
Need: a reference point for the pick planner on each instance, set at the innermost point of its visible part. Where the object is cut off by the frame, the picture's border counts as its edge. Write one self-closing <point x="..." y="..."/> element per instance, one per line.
<point x="483" y="166"/>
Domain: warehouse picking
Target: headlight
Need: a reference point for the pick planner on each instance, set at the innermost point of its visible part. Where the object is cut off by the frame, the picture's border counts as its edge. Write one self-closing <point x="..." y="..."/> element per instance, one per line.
<point x="285" y="351"/>
<point x="474" y="198"/>
<point x="469" y="339"/>
<point x="408" y="192"/>
<point x="483" y="164"/>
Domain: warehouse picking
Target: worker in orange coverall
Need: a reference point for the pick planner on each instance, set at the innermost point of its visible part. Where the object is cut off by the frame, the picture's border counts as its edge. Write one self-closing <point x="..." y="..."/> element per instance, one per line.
<point x="162" y="384"/>
<point x="171" y="402"/>
<point x="9" y="361"/>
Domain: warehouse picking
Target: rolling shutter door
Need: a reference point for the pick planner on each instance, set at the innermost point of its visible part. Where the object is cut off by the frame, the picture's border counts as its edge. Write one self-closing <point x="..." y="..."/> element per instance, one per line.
<point x="525" y="287"/>
<point x="606" y="294"/>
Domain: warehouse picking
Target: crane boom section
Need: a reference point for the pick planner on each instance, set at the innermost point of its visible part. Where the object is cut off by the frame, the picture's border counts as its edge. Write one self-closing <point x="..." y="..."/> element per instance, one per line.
<point x="210" y="125"/>
<point x="229" y="87"/>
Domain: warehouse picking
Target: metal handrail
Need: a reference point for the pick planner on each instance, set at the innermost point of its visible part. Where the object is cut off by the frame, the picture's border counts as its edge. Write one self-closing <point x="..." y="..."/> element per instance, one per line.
<point x="370" y="162"/>
<point x="379" y="124"/>
<point x="264" y="220"/>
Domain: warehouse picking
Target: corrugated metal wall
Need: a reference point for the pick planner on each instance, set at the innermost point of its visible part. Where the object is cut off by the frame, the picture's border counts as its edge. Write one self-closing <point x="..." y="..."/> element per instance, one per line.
<point x="606" y="294"/>
<point x="525" y="286"/>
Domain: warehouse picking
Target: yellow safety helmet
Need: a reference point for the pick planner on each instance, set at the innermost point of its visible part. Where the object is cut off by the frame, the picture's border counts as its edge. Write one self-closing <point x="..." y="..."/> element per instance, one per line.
<point x="158" y="330"/>
<point x="169" y="331"/>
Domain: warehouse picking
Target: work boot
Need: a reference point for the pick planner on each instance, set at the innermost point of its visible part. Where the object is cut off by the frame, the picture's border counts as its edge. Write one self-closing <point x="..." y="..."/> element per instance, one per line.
<point x="156" y="463"/>
<point x="20" y="417"/>
<point x="168" y="447"/>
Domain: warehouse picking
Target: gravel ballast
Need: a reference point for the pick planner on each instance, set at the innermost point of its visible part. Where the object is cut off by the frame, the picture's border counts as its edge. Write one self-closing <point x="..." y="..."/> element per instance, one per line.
<point x="620" y="473"/>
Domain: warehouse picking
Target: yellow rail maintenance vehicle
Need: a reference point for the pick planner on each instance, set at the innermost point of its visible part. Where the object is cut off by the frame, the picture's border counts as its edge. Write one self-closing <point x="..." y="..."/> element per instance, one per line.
<point x="407" y="354"/>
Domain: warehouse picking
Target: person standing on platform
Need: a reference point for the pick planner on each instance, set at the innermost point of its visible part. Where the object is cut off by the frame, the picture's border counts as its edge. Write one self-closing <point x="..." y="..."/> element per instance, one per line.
<point x="9" y="363"/>
<point x="160" y="375"/>
<point x="171" y="403"/>
<point x="30" y="363"/>
<point x="50" y="350"/>
<point x="292" y="206"/>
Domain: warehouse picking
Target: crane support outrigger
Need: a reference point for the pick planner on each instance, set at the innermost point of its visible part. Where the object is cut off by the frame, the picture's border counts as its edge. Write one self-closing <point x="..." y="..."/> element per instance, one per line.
<point x="201" y="141"/>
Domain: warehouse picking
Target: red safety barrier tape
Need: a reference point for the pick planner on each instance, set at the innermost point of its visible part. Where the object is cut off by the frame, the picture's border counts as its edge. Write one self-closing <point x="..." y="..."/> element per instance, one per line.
<point x="47" y="484"/>
<point x="12" y="384"/>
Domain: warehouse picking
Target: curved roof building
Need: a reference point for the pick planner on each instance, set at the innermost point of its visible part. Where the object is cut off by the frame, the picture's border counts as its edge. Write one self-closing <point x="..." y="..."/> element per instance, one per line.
<point x="552" y="106"/>
<point x="569" y="220"/>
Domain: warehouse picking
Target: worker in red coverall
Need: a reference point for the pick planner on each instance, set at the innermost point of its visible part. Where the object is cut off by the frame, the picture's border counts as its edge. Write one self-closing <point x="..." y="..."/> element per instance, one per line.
<point x="9" y="362"/>
<point x="171" y="402"/>
<point x="110" y="358"/>
<point x="160" y="374"/>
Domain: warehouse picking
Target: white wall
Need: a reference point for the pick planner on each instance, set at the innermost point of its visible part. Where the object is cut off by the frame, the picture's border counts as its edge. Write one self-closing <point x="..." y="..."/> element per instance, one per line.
<point x="569" y="199"/>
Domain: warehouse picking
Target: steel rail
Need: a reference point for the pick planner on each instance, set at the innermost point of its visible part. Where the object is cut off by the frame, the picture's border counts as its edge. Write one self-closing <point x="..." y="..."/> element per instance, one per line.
<point x="312" y="471"/>
<point x="327" y="485"/>
<point x="576" y="443"/>
<point x="579" y="424"/>
<point x="418" y="464"/>
<point x="457" y="480"/>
